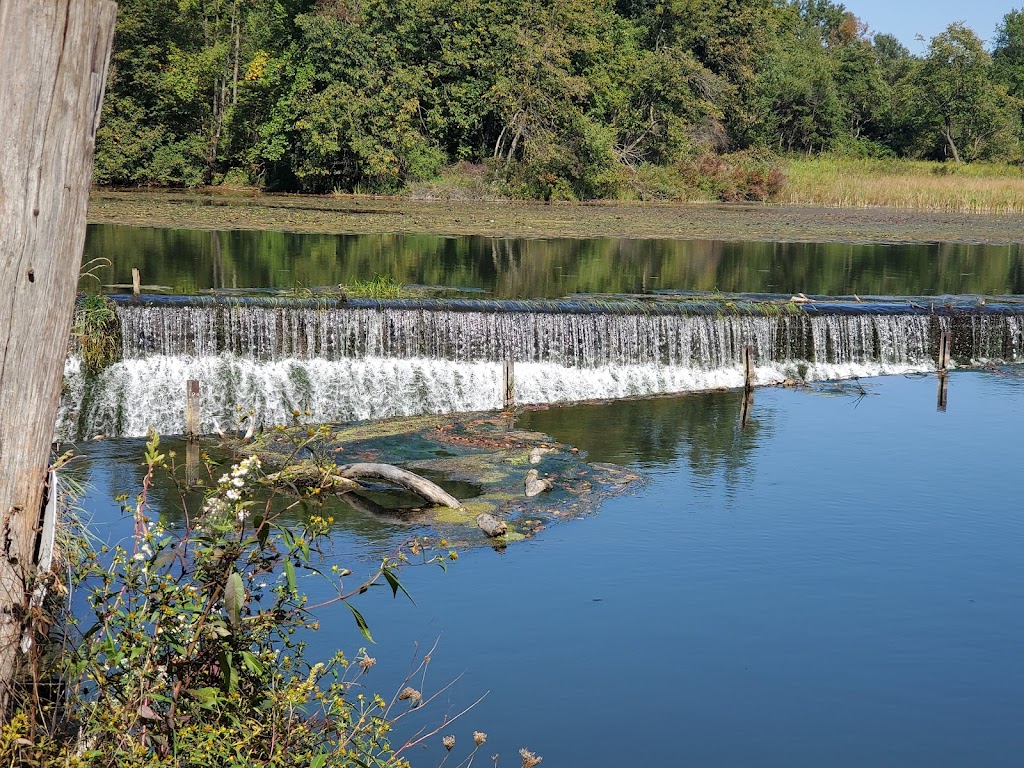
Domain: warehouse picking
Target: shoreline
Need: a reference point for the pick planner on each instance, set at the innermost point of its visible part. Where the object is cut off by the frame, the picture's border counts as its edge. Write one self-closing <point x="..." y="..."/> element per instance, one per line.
<point x="366" y="215"/>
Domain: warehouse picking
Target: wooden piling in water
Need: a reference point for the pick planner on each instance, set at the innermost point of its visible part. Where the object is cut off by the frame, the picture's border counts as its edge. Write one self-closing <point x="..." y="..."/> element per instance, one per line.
<point x="508" y="386"/>
<point x="748" y="368"/>
<point x="943" y="392"/>
<point x="136" y="283"/>
<point x="746" y="406"/>
<point x="945" y="349"/>
<point x="192" y="409"/>
<point x="191" y="462"/>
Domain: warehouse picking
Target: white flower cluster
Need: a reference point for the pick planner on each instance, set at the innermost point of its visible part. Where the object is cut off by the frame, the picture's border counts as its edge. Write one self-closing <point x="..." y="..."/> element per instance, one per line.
<point x="231" y="489"/>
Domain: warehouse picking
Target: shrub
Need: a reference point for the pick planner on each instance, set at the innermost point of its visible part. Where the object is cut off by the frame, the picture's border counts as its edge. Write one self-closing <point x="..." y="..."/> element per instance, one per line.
<point x="192" y="655"/>
<point x="97" y="331"/>
<point x="751" y="175"/>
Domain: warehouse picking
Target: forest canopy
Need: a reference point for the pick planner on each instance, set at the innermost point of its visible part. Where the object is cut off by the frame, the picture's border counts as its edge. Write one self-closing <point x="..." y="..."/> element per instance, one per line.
<point x="553" y="100"/>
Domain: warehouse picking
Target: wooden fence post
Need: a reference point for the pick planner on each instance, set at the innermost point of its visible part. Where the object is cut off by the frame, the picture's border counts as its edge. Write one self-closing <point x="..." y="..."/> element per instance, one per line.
<point x="508" y="385"/>
<point x="945" y="348"/>
<point x="192" y="409"/>
<point x="136" y="283"/>
<point x="748" y="368"/>
<point x="54" y="56"/>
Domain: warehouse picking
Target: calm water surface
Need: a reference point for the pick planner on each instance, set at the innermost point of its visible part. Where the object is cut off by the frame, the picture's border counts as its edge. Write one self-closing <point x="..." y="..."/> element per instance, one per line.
<point x="187" y="261"/>
<point x="839" y="584"/>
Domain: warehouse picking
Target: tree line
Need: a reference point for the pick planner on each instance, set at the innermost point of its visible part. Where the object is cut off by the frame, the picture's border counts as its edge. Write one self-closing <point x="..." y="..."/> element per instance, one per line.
<point x="566" y="99"/>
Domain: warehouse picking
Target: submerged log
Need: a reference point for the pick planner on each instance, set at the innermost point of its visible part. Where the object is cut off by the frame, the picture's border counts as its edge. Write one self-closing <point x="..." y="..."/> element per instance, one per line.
<point x="372" y="509"/>
<point x="491" y="525"/>
<point x="536" y="484"/>
<point x="401" y="477"/>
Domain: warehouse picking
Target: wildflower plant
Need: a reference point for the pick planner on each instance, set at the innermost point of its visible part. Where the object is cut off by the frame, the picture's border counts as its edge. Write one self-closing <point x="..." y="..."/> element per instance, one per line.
<point x="192" y="655"/>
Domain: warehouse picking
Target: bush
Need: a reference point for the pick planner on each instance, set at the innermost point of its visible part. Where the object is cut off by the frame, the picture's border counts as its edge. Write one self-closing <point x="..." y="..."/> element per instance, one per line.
<point x="97" y="332"/>
<point x="751" y="175"/>
<point x="192" y="655"/>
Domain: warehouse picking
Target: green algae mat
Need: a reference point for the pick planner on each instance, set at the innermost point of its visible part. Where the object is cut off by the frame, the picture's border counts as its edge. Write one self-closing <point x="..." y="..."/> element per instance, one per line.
<point x="481" y="459"/>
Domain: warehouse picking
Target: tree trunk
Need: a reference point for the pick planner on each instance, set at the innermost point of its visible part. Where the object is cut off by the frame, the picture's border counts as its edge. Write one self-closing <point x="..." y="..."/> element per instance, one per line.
<point x="54" y="56"/>
<point x="947" y="132"/>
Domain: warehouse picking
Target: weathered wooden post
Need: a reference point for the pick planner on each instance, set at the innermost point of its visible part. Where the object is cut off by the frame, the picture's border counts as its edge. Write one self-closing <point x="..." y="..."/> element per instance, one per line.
<point x="136" y="283"/>
<point x="192" y="430"/>
<point x="746" y="406"/>
<point x="54" y="56"/>
<point x="748" y="368"/>
<point x="192" y="409"/>
<point x="943" y="393"/>
<point x="508" y="385"/>
<point x="191" y="463"/>
<point x="945" y="348"/>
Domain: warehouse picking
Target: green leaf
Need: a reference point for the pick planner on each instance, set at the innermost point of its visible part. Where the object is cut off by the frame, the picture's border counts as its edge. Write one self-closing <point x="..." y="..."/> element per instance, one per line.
<point x="206" y="697"/>
<point x="396" y="585"/>
<point x="234" y="598"/>
<point x="318" y="761"/>
<point x="252" y="663"/>
<point x="289" y="572"/>
<point x="361" y="622"/>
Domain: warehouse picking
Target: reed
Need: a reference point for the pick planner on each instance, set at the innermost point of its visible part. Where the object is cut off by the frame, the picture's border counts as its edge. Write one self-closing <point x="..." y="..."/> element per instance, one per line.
<point x="380" y="287"/>
<point x="841" y="182"/>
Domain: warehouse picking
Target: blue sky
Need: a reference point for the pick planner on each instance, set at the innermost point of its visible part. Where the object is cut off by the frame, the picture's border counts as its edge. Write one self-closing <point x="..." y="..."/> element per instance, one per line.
<point x="907" y="18"/>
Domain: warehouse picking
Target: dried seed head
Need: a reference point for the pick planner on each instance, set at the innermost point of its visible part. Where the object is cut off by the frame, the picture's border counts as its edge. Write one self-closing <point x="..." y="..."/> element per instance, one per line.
<point x="410" y="693"/>
<point x="479" y="737"/>
<point x="530" y="760"/>
<point x="449" y="742"/>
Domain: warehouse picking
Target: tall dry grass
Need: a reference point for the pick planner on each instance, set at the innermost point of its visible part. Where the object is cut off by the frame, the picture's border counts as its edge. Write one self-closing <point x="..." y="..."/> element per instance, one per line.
<point x="910" y="184"/>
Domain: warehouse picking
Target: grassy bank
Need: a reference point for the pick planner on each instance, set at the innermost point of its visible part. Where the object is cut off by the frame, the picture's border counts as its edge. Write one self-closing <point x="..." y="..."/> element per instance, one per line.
<point x="904" y="184"/>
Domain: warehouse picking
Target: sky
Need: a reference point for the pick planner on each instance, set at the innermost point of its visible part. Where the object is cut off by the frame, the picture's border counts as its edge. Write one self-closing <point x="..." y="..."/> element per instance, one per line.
<point x="907" y="18"/>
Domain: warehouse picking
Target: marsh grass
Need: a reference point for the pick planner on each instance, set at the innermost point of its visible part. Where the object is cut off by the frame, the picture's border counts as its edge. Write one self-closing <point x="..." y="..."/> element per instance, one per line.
<point x="906" y="184"/>
<point x="380" y="287"/>
<point x="98" y="333"/>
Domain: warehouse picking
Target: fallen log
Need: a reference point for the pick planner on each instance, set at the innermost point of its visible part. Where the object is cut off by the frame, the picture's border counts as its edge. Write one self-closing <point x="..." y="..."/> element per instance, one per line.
<point x="491" y="525"/>
<point x="401" y="477"/>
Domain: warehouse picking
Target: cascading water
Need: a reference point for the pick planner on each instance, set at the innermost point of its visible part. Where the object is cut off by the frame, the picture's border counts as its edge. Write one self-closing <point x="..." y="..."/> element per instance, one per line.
<point x="344" y="363"/>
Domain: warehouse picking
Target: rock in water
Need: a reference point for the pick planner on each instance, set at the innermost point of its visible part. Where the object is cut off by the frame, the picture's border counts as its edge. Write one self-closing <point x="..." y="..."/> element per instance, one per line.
<point x="537" y="453"/>
<point x="536" y="484"/>
<point x="491" y="525"/>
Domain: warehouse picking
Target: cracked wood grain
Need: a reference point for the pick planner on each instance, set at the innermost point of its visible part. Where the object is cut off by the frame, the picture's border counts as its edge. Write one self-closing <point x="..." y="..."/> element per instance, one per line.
<point x="54" y="55"/>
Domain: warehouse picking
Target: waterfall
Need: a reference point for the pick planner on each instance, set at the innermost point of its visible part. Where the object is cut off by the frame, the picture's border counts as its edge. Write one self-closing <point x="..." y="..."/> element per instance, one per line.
<point x="276" y="364"/>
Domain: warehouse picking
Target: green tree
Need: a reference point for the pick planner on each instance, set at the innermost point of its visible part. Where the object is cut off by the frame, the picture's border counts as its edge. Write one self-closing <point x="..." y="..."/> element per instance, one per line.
<point x="973" y="114"/>
<point x="1008" y="53"/>
<point x="800" y="104"/>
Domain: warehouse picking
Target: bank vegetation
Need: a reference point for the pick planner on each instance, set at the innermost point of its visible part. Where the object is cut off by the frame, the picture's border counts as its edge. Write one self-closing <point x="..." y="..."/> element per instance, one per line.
<point x="620" y="99"/>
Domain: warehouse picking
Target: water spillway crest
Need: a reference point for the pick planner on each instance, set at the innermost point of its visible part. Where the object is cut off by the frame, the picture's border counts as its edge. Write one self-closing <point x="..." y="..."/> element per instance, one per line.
<point x="268" y="361"/>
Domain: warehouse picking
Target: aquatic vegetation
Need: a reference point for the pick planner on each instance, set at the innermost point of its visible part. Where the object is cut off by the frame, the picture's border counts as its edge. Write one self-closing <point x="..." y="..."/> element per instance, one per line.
<point x="380" y="287"/>
<point x="790" y="223"/>
<point x="97" y="331"/>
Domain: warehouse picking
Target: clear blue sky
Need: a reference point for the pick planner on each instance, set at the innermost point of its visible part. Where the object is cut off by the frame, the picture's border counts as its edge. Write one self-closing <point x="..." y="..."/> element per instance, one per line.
<point x="907" y="18"/>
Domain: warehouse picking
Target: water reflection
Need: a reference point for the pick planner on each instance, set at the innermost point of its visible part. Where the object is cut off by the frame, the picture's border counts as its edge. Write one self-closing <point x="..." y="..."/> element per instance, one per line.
<point x="187" y="261"/>
<point x="115" y="468"/>
<point x="704" y="429"/>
